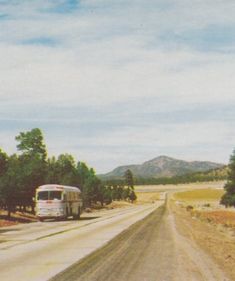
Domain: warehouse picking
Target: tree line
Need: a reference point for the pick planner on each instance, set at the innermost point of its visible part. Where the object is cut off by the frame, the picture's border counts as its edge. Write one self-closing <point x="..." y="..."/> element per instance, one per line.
<point x="181" y="179"/>
<point x="211" y="175"/>
<point x="22" y="173"/>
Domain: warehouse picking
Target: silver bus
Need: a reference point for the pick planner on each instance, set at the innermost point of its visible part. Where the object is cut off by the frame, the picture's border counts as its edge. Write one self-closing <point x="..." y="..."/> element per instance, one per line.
<point x="55" y="201"/>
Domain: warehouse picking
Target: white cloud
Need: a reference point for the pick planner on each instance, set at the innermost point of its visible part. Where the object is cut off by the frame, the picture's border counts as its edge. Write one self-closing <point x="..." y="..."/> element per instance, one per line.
<point x="108" y="54"/>
<point x="40" y="75"/>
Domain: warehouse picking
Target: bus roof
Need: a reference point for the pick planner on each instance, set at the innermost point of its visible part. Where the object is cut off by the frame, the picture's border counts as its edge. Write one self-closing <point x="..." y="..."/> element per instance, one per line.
<point x="58" y="187"/>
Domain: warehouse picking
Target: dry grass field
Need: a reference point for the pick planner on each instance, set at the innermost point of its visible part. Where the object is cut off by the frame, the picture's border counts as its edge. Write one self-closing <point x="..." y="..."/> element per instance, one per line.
<point x="222" y="217"/>
<point x="208" y="194"/>
<point x="204" y="205"/>
<point x="147" y="197"/>
<point x="173" y="187"/>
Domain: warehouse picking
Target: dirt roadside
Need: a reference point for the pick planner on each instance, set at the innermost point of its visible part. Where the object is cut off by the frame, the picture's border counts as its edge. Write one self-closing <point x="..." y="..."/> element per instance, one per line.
<point x="217" y="241"/>
<point x="16" y="218"/>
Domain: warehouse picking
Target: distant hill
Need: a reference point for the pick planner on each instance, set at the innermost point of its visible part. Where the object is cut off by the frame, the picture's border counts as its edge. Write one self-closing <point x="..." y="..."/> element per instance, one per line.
<point x="218" y="174"/>
<point x="162" y="166"/>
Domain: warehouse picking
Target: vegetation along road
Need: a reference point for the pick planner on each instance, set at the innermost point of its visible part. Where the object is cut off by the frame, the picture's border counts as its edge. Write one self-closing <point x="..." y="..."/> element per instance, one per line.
<point x="150" y="250"/>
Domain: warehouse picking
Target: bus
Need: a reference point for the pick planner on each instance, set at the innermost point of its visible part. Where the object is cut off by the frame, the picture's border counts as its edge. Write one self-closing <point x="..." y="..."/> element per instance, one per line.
<point x="55" y="201"/>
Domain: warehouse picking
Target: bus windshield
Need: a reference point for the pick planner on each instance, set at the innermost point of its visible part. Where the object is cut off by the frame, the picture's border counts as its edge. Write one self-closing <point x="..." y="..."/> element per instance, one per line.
<point x="49" y="195"/>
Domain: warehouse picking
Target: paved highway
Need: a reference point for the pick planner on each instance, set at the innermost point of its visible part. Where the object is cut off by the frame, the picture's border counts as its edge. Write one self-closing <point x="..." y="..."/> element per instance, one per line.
<point x="38" y="251"/>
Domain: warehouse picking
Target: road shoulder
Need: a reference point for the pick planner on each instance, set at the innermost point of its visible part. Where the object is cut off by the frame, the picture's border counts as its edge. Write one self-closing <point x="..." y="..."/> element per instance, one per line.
<point x="215" y="242"/>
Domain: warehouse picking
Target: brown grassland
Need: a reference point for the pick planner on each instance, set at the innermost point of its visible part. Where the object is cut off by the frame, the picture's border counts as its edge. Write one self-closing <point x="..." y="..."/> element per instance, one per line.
<point x="200" y="217"/>
<point x="200" y="195"/>
<point x="147" y="197"/>
<point x="204" y="205"/>
<point x="222" y="217"/>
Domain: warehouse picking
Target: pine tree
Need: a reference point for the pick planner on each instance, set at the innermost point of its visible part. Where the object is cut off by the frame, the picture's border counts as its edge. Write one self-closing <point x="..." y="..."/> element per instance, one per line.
<point x="129" y="181"/>
<point x="228" y="199"/>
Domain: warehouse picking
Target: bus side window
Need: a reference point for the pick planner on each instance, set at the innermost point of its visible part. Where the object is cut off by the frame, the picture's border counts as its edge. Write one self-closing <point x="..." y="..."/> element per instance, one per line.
<point x="65" y="197"/>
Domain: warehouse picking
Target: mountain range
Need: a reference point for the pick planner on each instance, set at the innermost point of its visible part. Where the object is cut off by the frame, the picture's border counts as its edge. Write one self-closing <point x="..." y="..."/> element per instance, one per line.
<point x="162" y="166"/>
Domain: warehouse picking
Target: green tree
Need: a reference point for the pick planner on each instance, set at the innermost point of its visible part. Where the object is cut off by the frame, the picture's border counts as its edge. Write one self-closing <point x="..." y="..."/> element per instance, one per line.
<point x="132" y="196"/>
<point x="129" y="181"/>
<point x="107" y="194"/>
<point x="32" y="174"/>
<point x="32" y="143"/>
<point x="82" y="173"/>
<point x="91" y="189"/>
<point x="33" y="163"/>
<point x="228" y="199"/>
<point x="10" y="184"/>
<point x="3" y="162"/>
<point x="115" y="192"/>
<point x="126" y="193"/>
<point x="52" y="174"/>
<point x="66" y="169"/>
<point x="120" y="189"/>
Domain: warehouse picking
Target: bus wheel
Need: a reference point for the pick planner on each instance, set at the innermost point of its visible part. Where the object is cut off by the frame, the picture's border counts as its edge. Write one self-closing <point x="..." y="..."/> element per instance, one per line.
<point x="77" y="217"/>
<point x="41" y="219"/>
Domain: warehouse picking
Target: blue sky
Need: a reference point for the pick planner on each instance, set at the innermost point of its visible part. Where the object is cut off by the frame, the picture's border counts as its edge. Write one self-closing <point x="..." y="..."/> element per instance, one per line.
<point x="119" y="82"/>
